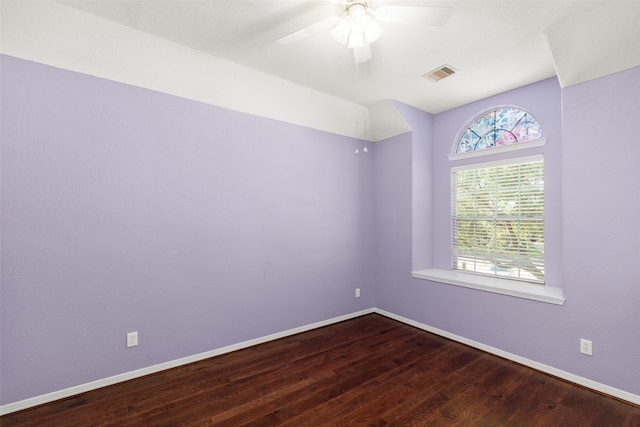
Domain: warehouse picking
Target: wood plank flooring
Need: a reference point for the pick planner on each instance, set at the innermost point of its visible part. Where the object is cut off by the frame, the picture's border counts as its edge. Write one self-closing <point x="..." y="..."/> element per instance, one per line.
<point x="368" y="371"/>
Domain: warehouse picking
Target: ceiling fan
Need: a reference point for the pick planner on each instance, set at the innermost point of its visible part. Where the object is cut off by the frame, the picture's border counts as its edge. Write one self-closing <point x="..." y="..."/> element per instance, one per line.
<point x="358" y="26"/>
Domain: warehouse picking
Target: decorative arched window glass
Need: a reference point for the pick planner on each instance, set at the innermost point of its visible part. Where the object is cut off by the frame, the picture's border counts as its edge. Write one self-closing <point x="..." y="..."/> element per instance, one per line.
<point x="497" y="128"/>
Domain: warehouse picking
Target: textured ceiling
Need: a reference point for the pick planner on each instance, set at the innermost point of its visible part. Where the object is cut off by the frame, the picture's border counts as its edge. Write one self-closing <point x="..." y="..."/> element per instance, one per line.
<point x="496" y="45"/>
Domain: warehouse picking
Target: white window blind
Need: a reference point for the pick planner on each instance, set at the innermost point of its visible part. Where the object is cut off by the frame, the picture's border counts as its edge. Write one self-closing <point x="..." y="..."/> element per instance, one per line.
<point x="498" y="219"/>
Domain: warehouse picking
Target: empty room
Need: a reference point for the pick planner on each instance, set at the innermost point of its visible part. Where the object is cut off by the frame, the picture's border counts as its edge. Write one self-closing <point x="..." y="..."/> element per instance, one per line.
<point x="331" y="212"/>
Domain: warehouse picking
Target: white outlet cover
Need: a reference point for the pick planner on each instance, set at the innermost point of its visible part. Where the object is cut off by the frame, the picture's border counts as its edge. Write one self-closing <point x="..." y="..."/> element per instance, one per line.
<point x="132" y="339"/>
<point x="586" y="347"/>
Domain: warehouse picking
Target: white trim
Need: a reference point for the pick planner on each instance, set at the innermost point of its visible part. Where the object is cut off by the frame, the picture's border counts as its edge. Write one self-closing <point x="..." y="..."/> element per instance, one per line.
<point x="576" y="379"/>
<point x="498" y="285"/>
<point x="502" y="162"/>
<point x="83" y="388"/>
<point x="496" y="150"/>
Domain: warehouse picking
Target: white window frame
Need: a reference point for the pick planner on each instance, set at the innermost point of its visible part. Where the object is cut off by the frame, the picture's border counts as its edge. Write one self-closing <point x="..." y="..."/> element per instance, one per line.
<point x="486" y="165"/>
<point x="496" y="150"/>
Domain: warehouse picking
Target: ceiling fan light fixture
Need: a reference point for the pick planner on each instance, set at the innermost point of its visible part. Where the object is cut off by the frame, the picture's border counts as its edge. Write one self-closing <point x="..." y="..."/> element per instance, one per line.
<point x="373" y="30"/>
<point x="356" y="40"/>
<point x="356" y="27"/>
<point x="340" y="32"/>
<point x="359" y="26"/>
<point x="358" y="16"/>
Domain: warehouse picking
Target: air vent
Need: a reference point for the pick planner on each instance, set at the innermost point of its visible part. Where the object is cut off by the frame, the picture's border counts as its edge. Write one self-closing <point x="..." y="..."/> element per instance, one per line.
<point x="440" y="73"/>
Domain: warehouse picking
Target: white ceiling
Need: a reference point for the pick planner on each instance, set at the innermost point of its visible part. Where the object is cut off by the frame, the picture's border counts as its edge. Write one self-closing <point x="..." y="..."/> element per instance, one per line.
<point x="496" y="45"/>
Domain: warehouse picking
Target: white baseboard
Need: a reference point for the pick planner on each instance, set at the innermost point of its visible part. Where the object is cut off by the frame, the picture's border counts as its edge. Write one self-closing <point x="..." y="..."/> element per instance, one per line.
<point x="585" y="382"/>
<point x="83" y="388"/>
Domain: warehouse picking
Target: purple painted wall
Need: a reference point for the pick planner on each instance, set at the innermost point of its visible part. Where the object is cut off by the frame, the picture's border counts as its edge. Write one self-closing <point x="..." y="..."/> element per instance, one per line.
<point x="601" y="236"/>
<point x="128" y="210"/>
<point x="421" y="124"/>
<point x="392" y="183"/>
<point x="591" y="250"/>
<point x="402" y="181"/>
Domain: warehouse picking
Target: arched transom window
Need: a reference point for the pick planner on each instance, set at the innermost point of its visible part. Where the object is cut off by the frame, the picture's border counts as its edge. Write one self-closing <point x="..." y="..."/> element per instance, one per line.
<point x="499" y="127"/>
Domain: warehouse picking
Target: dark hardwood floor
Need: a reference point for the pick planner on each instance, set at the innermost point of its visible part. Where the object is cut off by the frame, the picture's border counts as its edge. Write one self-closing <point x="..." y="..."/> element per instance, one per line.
<point x="369" y="371"/>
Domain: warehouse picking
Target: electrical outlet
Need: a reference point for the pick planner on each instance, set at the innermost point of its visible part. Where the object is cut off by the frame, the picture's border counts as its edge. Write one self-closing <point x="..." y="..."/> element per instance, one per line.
<point x="132" y="339"/>
<point x="586" y="347"/>
<point x="357" y="292"/>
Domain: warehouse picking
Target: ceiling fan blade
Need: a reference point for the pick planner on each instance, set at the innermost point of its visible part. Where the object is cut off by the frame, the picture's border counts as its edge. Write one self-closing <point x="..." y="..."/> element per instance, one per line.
<point x="362" y="54"/>
<point x="307" y="31"/>
<point x="420" y="15"/>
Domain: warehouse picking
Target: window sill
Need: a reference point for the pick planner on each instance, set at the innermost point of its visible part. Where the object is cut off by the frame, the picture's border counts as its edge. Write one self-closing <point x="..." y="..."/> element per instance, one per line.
<point x="502" y="286"/>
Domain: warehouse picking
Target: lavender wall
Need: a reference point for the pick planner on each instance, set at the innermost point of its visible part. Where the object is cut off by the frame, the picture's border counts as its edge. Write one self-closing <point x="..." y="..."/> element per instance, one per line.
<point x="601" y="236"/>
<point x="591" y="250"/>
<point x="421" y="124"/>
<point x="392" y="183"/>
<point x="402" y="181"/>
<point x="128" y="210"/>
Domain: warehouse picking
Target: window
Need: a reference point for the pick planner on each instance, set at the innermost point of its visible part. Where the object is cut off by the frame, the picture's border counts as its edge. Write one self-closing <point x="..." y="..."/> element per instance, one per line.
<point x="500" y="208"/>
<point x="498" y="128"/>
<point x="498" y="218"/>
